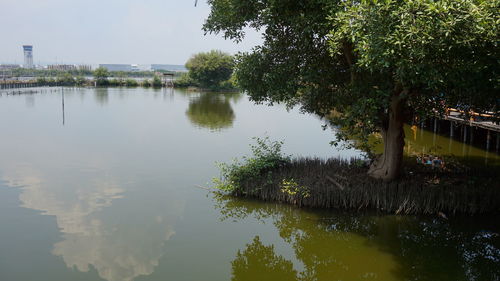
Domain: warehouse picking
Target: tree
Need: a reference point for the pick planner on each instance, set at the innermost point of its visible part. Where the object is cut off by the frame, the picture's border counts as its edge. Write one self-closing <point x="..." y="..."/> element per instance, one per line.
<point x="156" y="82"/>
<point x="210" y="69"/>
<point x="101" y="75"/>
<point x="374" y="64"/>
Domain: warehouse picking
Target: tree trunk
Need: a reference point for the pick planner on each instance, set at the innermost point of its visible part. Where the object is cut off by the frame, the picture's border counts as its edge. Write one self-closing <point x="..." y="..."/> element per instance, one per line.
<point x="388" y="165"/>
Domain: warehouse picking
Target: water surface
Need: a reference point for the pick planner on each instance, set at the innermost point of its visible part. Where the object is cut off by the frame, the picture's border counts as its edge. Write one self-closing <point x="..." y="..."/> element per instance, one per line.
<point x="108" y="189"/>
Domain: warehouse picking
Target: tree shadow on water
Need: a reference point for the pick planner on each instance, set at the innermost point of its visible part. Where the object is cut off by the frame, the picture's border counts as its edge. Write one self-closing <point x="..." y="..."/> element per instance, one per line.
<point x="347" y="246"/>
<point x="211" y="111"/>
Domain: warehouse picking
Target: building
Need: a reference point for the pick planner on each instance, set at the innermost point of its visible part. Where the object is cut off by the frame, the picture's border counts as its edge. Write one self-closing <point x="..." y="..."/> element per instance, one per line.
<point x="168" y="67"/>
<point x="85" y="67"/>
<point x="62" y="67"/>
<point x="28" y="56"/>
<point x="117" y="67"/>
<point x="9" y="66"/>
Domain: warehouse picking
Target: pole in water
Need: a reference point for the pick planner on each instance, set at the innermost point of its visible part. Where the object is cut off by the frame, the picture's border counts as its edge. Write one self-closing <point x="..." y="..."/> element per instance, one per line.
<point x="62" y="97"/>
<point x="451" y="129"/>
<point x="488" y="140"/>
<point x="498" y="141"/>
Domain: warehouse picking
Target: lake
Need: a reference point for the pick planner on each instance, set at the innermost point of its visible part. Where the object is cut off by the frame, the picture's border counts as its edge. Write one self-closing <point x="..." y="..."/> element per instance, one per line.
<point x="107" y="184"/>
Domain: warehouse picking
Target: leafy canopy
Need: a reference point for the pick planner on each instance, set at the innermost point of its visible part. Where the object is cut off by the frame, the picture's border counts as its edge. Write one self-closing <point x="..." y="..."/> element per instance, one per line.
<point x="101" y="75"/>
<point x="350" y="57"/>
<point x="210" y="69"/>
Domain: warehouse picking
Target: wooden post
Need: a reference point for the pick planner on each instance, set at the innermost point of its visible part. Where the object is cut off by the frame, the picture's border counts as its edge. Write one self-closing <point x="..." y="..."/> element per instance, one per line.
<point x="435" y="125"/>
<point x="465" y="134"/>
<point x="472" y="134"/>
<point x="451" y="129"/>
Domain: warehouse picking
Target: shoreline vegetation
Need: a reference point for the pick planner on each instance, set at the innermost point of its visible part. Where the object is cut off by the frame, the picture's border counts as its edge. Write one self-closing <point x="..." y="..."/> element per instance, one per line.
<point x="207" y="72"/>
<point x="336" y="183"/>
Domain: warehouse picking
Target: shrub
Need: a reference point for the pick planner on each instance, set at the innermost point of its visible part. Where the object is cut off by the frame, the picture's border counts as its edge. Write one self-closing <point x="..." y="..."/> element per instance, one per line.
<point x="131" y="83"/>
<point x="156" y="82"/>
<point x="266" y="156"/>
<point x="184" y="81"/>
<point x="114" y="82"/>
<point x="80" y="81"/>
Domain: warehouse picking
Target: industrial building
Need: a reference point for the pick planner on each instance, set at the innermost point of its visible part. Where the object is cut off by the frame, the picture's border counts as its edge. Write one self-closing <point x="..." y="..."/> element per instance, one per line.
<point x="117" y="67"/>
<point x="168" y="67"/>
<point x="9" y="66"/>
<point x="63" y="67"/>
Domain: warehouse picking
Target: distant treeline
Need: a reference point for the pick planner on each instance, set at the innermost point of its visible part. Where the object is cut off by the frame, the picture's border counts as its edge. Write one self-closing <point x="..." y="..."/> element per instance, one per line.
<point x="24" y="72"/>
<point x="79" y="81"/>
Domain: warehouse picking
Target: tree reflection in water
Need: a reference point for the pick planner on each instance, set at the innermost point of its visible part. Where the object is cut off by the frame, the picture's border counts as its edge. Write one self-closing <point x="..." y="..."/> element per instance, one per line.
<point x="101" y="96"/>
<point x="212" y="110"/>
<point x="344" y="246"/>
<point x="260" y="258"/>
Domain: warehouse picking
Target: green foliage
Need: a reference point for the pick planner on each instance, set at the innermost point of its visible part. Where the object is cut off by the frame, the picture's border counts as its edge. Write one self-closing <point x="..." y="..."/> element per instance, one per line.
<point x="184" y="81"/>
<point x="146" y="83"/>
<point x="131" y="83"/>
<point x="101" y="75"/>
<point x="156" y="82"/>
<point x="17" y="72"/>
<point x="113" y="82"/>
<point x="440" y="52"/>
<point x="351" y="56"/>
<point x="41" y="80"/>
<point x="80" y="81"/>
<point x="266" y="156"/>
<point x="65" y="79"/>
<point x="209" y="70"/>
<point x="292" y="188"/>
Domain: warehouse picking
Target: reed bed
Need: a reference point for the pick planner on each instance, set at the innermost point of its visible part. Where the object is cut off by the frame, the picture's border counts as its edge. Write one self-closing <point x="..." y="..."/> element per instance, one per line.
<point x="344" y="184"/>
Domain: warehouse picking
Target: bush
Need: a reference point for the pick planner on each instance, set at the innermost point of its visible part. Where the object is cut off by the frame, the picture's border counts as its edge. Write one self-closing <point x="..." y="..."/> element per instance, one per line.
<point x="80" y="81"/>
<point x="101" y="75"/>
<point x="65" y="79"/>
<point x="146" y="83"/>
<point x="267" y="156"/>
<point x="114" y="82"/>
<point x="209" y="70"/>
<point x="131" y="83"/>
<point x="157" y="82"/>
<point x="42" y="81"/>
<point x="184" y="81"/>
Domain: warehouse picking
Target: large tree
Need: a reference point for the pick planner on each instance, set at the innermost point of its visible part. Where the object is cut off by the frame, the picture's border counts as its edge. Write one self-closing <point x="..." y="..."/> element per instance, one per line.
<point x="210" y="69"/>
<point x="369" y="65"/>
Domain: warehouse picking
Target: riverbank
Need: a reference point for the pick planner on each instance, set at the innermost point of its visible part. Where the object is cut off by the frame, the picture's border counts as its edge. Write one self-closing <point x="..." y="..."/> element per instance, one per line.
<point x="342" y="184"/>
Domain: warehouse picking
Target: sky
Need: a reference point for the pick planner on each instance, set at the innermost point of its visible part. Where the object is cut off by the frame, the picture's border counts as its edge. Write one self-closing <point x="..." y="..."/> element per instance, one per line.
<point x="109" y="31"/>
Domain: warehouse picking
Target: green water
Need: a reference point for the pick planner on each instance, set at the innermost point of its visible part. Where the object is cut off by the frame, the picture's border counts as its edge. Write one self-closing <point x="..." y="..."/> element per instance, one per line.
<point x="110" y="190"/>
<point x="420" y="141"/>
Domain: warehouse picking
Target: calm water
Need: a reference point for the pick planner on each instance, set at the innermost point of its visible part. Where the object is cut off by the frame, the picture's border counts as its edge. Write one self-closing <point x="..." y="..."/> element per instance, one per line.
<point x="109" y="190"/>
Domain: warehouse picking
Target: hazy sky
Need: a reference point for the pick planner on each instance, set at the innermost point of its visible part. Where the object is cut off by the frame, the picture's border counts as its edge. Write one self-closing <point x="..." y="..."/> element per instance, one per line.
<point x="108" y="31"/>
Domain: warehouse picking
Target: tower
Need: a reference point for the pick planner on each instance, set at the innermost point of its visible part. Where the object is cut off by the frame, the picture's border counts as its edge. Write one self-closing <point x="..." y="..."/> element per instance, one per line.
<point x="28" y="56"/>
